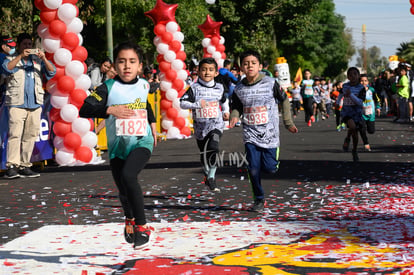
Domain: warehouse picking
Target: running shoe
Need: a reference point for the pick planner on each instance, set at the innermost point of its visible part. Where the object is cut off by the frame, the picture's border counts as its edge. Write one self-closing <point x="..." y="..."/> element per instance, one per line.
<point x="345" y="146"/>
<point x="211" y="183"/>
<point x="309" y="123"/>
<point x="355" y="156"/>
<point x="142" y="236"/>
<point x="338" y="128"/>
<point x="258" y="205"/>
<point x="343" y="126"/>
<point x="312" y="118"/>
<point x="367" y="147"/>
<point x="12" y="173"/>
<point x="129" y="237"/>
<point x="26" y="172"/>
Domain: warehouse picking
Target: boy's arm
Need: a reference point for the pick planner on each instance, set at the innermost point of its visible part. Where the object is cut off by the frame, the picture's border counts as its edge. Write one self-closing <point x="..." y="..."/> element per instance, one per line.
<point x="285" y="105"/>
<point x="236" y="107"/>
<point x="224" y="103"/>
<point x="187" y="101"/>
<point x="95" y="104"/>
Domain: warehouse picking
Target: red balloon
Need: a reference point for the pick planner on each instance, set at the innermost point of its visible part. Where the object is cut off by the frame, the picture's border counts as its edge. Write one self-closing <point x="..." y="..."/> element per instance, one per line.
<point x="181" y="93"/>
<point x="49" y="56"/>
<point x="66" y="84"/>
<point x="160" y="58"/>
<point x="54" y="114"/>
<point x="164" y="66"/>
<point x="39" y="4"/>
<point x="48" y="16"/>
<point x="412" y="10"/>
<point x="83" y="154"/>
<point x="412" y="2"/>
<point x="70" y="40"/>
<point x="207" y="55"/>
<point x="72" y="141"/>
<point x="77" y="97"/>
<point x="79" y="53"/>
<point x="170" y="75"/>
<point x="181" y="55"/>
<point x="92" y="124"/>
<point x="172" y="113"/>
<point x="165" y="104"/>
<point x="57" y="28"/>
<point x="186" y="131"/>
<point x="215" y="40"/>
<point x="85" y="67"/>
<point x="223" y="55"/>
<point x="179" y="122"/>
<point x="60" y="71"/>
<point x="166" y="37"/>
<point x="73" y="2"/>
<point x="220" y="48"/>
<point x="162" y="12"/>
<point x="175" y="45"/>
<point x="178" y="84"/>
<point x="61" y="128"/>
<point x="159" y="29"/>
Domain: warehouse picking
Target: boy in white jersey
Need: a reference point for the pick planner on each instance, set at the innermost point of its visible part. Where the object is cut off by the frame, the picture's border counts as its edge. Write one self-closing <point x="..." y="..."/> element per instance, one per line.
<point x="205" y="97"/>
<point x="257" y="98"/>
<point x="131" y="134"/>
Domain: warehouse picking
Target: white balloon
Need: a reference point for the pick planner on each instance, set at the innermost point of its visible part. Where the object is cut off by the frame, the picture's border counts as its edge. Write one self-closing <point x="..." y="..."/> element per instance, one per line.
<point x="178" y="36"/>
<point x="75" y="26"/>
<point x="166" y="123"/>
<point x="165" y="85"/>
<point x="206" y="42"/>
<point x="173" y="132"/>
<point x="81" y="126"/>
<point x="50" y="45"/>
<point x="220" y="63"/>
<point x="83" y="82"/>
<point x="69" y="113"/>
<point x="171" y="94"/>
<point x="67" y="12"/>
<point x="216" y="55"/>
<point x="183" y="113"/>
<point x="171" y="27"/>
<point x="177" y="65"/>
<point x="182" y="74"/>
<point x="58" y="142"/>
<point x="176" y="104"/>
<point x="64" y="157"/>
<point x="74" y="69"/>
<point x="211" y="49"/>
<point x="157" y="40"/>
<point x="58" y="100"/>
<point x="162" y="48"/>
<point x="52" y="4"/>
<point x="90" y="139"/>
<point x="62" y="56"/>
<point x="170" y="56"/>
<point x="43" y="30"/>
<point x="210" y="2"/>
<point x="80" y="39"/>
<point x="222" y="40"/>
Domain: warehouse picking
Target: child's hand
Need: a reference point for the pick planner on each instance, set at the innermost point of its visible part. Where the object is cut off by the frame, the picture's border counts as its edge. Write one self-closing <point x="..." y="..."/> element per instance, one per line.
<point x="120" y="111"/>
<point x="226" y="116"/>
<point x="233" y="122"/>
<point x="293" y="129"/>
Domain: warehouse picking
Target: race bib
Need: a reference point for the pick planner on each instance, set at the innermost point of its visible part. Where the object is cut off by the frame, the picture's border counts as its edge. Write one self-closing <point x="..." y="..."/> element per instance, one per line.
<point x="367" y="110"/>
<point x="212" y="111"/>
<point x="255" y="115"/>
<point x="133" y="126"/>
<point x="308" y="91"/>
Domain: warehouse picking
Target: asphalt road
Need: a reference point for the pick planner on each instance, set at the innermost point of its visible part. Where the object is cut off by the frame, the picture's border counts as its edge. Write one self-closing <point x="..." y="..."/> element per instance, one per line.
<point x="311" y="160"/>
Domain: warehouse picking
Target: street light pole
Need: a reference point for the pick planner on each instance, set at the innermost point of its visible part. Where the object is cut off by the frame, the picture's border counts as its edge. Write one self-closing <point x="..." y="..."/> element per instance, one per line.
<point x="109" y="39"/>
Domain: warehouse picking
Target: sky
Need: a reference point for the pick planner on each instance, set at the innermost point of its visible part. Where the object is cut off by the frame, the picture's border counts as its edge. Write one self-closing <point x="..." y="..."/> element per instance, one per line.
<point x="388" y="23"/>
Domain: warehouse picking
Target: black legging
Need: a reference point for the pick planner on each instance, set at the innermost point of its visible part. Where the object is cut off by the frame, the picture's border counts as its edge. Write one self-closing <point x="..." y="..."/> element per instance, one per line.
<point x="209" y="147"/>
<point x="125" y="173"/>
<point x="308" y="106"/>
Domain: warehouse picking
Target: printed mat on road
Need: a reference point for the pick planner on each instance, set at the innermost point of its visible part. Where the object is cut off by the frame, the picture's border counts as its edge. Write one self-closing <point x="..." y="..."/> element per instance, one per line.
<point x="300" y="247"/>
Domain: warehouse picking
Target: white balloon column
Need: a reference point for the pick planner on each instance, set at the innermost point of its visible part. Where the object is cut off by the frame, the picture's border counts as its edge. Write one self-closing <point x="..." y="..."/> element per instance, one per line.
<point x="213" y="43"/>
<point x="60" y="32"/>
<point x="168" y="41"/>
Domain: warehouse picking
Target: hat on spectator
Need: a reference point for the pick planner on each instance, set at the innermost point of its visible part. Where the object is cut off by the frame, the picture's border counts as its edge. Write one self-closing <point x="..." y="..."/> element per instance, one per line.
<point x="7" y="40"/>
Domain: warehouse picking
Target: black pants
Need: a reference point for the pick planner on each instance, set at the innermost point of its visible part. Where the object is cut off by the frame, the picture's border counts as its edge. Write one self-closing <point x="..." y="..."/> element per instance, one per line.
<point x="366" y="127"/>
<point x="125" y="173"/>
<point x="308" y="106"/>
<point x="295" y="107"/>
<point x="209" y="148"/>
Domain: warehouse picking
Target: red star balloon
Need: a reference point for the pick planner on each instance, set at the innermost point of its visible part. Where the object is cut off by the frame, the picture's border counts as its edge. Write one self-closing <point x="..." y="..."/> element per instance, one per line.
<point x="162" y="12"/>
<point x="210" y="27"/>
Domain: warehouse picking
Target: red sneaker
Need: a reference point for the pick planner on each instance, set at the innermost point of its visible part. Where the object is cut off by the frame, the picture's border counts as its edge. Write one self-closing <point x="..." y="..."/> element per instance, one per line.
<point x="309" y="123"/>
<point x="312" y="118"/>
